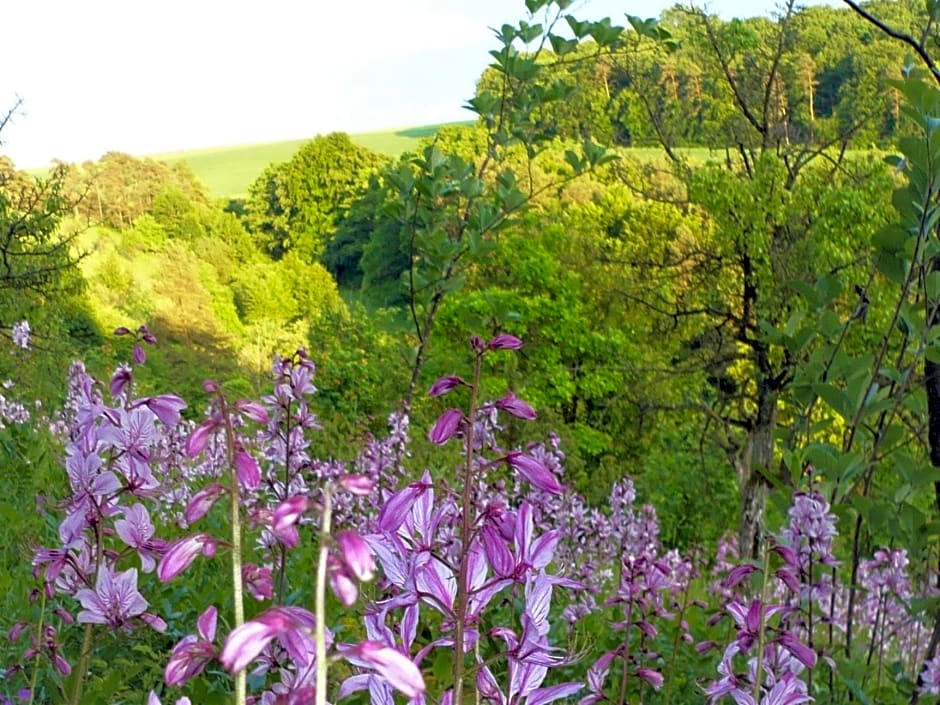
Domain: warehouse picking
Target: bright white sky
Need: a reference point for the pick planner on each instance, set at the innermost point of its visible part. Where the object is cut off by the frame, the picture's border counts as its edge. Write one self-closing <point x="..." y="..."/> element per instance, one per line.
<point x="149" y="77"/>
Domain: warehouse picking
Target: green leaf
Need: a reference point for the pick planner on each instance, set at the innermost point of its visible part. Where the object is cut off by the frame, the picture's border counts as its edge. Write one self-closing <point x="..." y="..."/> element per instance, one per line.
<point x="837" y="400"/>
<point x="580" y="29"/>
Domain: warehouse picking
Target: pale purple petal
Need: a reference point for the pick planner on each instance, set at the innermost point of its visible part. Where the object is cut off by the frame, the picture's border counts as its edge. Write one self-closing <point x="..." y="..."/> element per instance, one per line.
<point x="400" y="672"/>
<point x="252" y="410"/>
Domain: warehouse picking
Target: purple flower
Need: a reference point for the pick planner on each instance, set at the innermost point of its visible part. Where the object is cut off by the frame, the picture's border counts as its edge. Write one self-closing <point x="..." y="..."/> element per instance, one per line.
<point x="445" y="385"/>
<point x="289" y="625"/>
<point x="258" y="581"/>
<point x="191" y="655"/>
<point x="517" y="407"/>
<point x="136" y="530"/>
<point x="120" y="379"/>
<point x="166" y="407"/>
<point x="202" y="502"/>
<point x="504" y="342"/>
<point x="184" y="552"/>
<point x="356" y="554"/>
<point x="445" y="428"/>
<point x="252" y="410"/>
<point x="342" y="581"/>
<point x="535" y="473"/>
<point x="199" y="439"/>
<point x="654" y="678"/>
<point x="20" y="334"/>
<point x="359" y="485"/>
<point x="114" y="601"/>
<point x="391" y="664"/>
<point x="289" y="512"/>
<point x="247" y="469"/>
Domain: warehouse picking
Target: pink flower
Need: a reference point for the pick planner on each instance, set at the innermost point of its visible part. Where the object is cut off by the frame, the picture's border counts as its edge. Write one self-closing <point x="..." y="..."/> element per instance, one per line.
<point x="247" y="469"/>
<point x="258" y="581"/>
<point x="252" y="410"/>
<point x="359" y="485"/>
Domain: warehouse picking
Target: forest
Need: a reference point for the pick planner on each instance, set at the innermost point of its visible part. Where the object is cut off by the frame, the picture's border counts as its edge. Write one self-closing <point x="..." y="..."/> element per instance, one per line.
<point x="679" y="284"/>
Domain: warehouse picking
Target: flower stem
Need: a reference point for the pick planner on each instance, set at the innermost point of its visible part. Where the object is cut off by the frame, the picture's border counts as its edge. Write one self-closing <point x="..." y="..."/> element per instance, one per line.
<point x="465" y="531"/>
<point x="320" y="597"/>
<point x="82" y="667"/>
<point x="39" y="628"/>
<point x="241" y="688"/>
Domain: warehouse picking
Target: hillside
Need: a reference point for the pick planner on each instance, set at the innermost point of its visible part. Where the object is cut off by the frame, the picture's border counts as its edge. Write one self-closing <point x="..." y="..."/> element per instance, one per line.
<point x="228" y="171"/>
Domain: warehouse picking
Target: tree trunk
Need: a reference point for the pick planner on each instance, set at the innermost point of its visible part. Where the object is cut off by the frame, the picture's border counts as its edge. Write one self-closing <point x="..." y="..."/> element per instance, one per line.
<point x="753" y="464"/>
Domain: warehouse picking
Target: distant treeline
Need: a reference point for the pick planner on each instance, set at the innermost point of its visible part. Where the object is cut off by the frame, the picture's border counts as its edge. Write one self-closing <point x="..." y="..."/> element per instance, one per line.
<point x="831" y="81"/>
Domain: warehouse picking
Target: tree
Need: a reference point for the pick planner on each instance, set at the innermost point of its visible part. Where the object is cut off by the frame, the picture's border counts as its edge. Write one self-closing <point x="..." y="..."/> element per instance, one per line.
<point x="768" y="236"/>
<point x="35" y="256"/>
<point x="296" y="205"/>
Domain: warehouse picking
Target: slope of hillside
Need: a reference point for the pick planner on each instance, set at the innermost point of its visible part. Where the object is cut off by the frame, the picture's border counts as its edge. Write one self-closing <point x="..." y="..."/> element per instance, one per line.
<point x="228" y="171"/>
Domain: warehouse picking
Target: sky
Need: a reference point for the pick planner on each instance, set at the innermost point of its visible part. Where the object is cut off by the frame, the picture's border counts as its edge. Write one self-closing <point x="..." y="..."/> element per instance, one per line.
<point x="148" y="77"/>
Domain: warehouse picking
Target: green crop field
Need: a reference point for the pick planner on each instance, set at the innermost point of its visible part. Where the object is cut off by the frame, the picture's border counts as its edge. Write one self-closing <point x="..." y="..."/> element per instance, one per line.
<point x="228" y="171"/>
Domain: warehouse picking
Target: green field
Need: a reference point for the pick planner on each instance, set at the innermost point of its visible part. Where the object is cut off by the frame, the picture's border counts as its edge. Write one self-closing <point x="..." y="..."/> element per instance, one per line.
<point x="228" y="171"/>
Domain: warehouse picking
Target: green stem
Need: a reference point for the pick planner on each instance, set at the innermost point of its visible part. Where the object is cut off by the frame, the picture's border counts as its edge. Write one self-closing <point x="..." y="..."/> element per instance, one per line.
<point x="758" y="676"/>
<point x="320" y="597"/>
<point x="238" y="591"/>
<point x="82" y="667"/>
<point x="625" y="674"/>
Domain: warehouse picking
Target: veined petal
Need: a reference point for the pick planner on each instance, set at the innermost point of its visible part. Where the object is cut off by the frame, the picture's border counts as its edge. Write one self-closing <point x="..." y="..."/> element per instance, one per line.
<point x="252" y="410"/>
<point x="247" y="469"/>
<point x="182" y="553"/>
<point x="534" y="472"/>
<point x="393" y="665"/>
<point x="543" y="696"/>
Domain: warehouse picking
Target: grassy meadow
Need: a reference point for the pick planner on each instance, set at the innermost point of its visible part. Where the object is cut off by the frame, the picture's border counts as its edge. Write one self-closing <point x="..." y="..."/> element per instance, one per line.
<point x="228" y="171"/>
